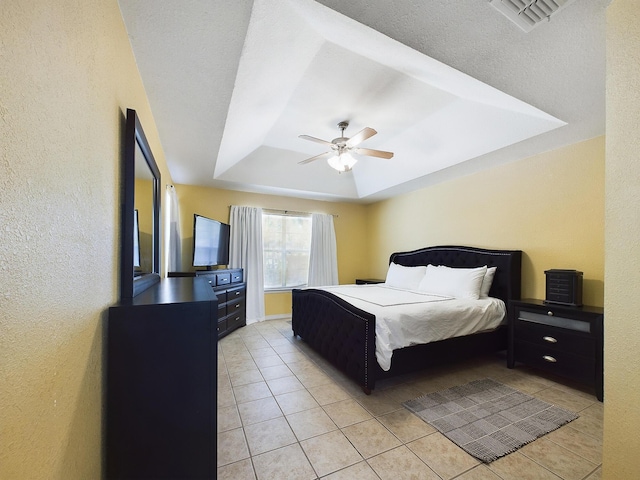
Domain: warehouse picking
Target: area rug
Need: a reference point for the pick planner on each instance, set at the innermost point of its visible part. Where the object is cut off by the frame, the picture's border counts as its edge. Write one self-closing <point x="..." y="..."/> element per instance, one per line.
<point x="488" y="419"/>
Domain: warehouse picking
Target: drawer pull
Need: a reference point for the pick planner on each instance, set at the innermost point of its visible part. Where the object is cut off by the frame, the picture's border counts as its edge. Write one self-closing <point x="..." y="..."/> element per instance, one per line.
<point x="238" y="305"/>
<point x="550" y="313"/>
<point x="237" y="293"/>
<point x="550" y="339"/>
<point x="549" y="358"/>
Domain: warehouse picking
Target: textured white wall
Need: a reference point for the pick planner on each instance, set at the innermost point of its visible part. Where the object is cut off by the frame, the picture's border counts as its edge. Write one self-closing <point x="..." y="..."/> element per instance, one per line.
<point x="622" y="241"/>
<point x="67" y="74"/>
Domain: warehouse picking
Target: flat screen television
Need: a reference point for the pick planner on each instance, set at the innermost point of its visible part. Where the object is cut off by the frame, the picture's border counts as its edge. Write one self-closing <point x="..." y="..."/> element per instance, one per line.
<point x="210" y="242"/>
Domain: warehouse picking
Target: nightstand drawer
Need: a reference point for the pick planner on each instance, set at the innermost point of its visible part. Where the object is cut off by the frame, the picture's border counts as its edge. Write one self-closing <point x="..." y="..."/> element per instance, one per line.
<point x="554" y="320"/>
<point x="555" y="338"/>
<point x="562" y="363"/>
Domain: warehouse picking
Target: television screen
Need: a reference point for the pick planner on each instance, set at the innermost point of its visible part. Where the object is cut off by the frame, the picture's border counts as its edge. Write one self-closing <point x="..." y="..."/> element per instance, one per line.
<point x="210" y="242"/>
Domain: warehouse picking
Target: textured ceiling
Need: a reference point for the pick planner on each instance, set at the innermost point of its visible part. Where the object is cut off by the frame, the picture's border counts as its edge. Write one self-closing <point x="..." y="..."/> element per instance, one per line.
<point x="232" y="85"/>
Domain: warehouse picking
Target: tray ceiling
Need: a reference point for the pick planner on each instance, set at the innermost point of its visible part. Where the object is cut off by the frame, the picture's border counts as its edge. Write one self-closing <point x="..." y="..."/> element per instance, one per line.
<point x="232" y="86"/>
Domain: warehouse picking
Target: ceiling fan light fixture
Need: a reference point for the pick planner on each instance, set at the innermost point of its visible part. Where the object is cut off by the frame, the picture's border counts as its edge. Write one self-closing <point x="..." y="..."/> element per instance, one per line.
<point x="342" y="162"/>
<point x="339" y="157"/>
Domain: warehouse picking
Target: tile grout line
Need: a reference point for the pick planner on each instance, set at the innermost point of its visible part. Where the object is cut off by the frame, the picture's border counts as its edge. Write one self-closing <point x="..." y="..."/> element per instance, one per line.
<point x="338" y="381"/>
<point x="341" y="429"/>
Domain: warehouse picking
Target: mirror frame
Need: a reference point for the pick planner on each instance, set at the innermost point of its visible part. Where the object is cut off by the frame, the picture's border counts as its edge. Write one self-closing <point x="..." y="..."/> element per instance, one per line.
<point x="134" y="135"/>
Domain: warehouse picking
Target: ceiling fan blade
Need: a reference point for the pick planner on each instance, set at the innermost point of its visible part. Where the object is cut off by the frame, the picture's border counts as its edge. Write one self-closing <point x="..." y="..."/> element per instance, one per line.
<point x="314" y="139"/>
<point x="373" y="153"/>
<point x="361" y="136"/>
<point x="317" y="157"/>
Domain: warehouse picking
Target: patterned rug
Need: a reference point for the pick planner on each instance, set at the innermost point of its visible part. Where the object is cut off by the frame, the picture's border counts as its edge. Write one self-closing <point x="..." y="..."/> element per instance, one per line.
<point x="488" y="419"/>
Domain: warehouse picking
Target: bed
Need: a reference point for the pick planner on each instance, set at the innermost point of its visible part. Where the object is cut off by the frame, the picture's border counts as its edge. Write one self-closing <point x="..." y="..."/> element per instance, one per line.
<point x="345" y="335"/>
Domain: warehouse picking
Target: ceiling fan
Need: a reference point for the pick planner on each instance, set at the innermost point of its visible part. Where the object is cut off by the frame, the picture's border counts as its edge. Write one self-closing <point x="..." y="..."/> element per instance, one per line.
<point x="342" y="147"/>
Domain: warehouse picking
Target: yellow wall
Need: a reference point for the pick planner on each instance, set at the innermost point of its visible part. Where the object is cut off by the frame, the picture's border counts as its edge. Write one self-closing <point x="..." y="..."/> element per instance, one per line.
<point x="67" y="75"/>
<point x="622" y="279"/>
<point x="350" y="225"/>
<point x="550" y="206"/>
<point x="143" y="202"/>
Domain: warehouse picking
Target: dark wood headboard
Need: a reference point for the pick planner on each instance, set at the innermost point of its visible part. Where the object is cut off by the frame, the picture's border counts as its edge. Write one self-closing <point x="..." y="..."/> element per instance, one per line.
<point x="506" y="283"/>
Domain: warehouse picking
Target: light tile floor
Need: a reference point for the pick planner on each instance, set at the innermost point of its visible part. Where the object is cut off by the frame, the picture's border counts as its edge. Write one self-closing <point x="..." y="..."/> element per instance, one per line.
<point x="285" y="413"/>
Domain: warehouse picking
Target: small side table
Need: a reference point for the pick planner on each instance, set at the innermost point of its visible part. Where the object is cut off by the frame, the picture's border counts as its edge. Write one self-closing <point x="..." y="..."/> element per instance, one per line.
<point x="564" y="340"/>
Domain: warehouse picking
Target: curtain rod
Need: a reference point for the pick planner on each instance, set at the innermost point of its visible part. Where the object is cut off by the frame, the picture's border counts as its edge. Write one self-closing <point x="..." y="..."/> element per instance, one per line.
<point x="290" y="212"/>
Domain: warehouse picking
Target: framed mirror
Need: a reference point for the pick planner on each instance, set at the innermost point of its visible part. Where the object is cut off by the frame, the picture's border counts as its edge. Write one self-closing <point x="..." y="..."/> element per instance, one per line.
<point x="140" y="244"/>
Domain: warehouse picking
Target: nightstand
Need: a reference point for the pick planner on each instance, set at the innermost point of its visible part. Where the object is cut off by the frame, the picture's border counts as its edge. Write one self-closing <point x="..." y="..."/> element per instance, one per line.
<point x="367" y="281"/>
<point x="564" y="340"/>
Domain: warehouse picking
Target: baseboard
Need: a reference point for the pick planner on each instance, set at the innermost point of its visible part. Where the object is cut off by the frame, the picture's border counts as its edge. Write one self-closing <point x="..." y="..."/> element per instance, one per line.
<point x="280" y="316"/>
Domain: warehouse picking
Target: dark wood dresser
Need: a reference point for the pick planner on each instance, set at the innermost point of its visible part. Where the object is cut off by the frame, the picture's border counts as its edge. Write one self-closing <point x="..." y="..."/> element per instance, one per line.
<point x="231" y="290"/>
<point x="563" y="340"/>
<point x="161" y="383"/>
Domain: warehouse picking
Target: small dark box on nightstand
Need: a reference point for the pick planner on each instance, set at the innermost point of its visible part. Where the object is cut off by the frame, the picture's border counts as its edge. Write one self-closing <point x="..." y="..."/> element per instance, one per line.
<point x="564" y="287"/>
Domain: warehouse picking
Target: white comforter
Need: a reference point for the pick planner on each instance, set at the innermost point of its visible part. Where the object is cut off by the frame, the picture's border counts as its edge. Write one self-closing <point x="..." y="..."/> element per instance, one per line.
<point x="405" y="317"/>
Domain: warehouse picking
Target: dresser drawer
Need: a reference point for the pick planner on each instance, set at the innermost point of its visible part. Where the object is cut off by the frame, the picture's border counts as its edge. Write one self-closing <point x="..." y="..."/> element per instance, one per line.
<point x="577" y="367"/>
<point x="223" y="279"/>
<point x="237" y="276"/>
<point x="555" y="338"/>
<point x="222" y="296"/>
<point x="235" y="306"/>
<point x="236" y="293"/>
<point x="230" y="294"/>
<point x="222" y="325"/>
<point x="235" y="320"/>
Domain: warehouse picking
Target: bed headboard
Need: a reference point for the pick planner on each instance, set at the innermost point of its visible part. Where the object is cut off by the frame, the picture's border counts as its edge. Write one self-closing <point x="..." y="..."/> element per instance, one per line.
<point x="506" y="283"/>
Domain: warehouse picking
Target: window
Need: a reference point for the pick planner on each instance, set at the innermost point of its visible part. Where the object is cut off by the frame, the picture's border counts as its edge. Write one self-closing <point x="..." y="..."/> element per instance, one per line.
<point x="286" y="242"/>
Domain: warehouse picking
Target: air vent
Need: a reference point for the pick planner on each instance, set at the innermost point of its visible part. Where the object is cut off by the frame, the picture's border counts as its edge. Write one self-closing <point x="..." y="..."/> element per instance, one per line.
<point x="528" y="14"/>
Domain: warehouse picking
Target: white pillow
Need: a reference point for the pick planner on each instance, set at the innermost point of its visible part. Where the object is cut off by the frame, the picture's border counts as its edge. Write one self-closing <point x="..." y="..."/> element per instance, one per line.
<point x="408" y="278"/>
<point x="453" y="282"/>
<point x="487" y="281"/>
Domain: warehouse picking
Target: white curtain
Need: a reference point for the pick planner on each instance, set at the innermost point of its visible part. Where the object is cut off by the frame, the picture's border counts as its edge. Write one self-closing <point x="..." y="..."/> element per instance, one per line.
<point x="174" y="249"/>
<point x="245" y="251"/>
<point x="323" y="257"/>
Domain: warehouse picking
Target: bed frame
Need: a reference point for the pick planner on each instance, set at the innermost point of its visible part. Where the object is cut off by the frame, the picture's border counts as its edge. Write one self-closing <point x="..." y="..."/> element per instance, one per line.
<point x="345" y="335"/>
